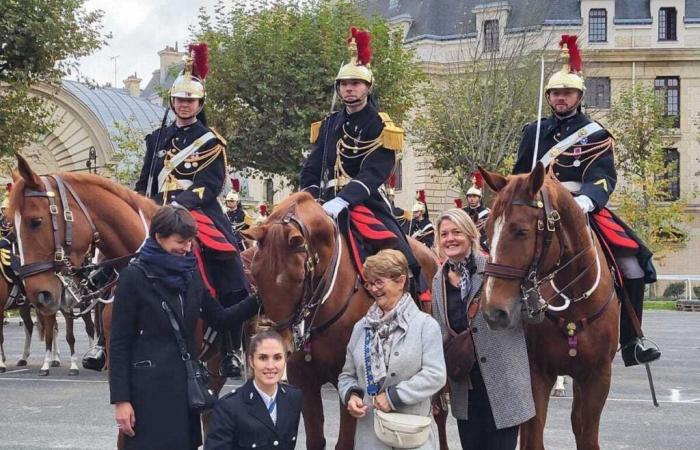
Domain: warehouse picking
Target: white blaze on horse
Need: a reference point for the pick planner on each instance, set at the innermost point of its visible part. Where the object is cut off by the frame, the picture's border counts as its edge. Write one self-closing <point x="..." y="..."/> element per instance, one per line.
<point x="543" y="253"/>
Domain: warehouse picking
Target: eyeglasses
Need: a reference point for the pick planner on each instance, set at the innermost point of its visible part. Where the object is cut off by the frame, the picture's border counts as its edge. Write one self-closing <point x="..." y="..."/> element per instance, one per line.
<point x="379" y="283"/>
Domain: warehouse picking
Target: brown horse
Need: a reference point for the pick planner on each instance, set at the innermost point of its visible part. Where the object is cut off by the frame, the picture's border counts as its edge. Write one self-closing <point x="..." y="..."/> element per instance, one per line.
<point x="544" y="254"/>
<point x="303" y="269"/>
<point x="119" y="216"/>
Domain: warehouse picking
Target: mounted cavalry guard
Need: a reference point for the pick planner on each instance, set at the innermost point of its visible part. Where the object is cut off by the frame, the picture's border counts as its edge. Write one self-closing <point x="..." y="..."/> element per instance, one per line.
<point x="353" y="154"/>
<point x="9" y="263"/>
<point x="579" y="153"/>
<point x="236" y="215"/>
<point x="185" y="165"/>
<point x="476" y="209"/>
<point x="421" y="228"/>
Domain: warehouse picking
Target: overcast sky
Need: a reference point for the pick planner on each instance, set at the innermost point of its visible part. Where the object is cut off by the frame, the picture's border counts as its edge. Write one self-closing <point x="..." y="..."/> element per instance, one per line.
<point x="140" y="28"/>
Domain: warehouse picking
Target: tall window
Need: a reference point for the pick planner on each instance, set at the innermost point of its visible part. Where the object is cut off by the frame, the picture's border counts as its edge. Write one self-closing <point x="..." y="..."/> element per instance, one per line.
<point x="398" y="171"/>
<point x="668" y="89"/>
<point x="667" y="24"/>
<point x="597" y="25"/>
<point x="597" y="92"/>
<point x="672" y="160"/>
<point x="491" y="35"/>
<point x="269" y="192"/>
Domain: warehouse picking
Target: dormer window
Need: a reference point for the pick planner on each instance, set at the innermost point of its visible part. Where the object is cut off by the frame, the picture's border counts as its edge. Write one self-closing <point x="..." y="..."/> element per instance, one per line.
<point x="597" y="25"/>
<point x="667" y="24"/>
<point x="491" y="35"/>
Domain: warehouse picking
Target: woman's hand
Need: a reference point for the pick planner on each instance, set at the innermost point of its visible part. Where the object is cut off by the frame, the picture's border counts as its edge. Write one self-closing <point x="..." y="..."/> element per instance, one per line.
<point x="126" y="419"/>
<point x="381" y="402"/>
<point x="356" y="407"/>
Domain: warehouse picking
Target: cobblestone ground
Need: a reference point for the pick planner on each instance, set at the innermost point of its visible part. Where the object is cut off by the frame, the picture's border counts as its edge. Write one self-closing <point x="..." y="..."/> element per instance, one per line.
<point x="62" y="412"/>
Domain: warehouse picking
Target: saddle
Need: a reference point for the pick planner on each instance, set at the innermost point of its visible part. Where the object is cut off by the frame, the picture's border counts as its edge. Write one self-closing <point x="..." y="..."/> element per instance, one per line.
<point x="367" y="235"/>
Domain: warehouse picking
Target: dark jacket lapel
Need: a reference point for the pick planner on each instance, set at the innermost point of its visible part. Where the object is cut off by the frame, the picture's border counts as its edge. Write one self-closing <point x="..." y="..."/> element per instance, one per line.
<point x="285" y="410"/>
<point x="256" y="406"/>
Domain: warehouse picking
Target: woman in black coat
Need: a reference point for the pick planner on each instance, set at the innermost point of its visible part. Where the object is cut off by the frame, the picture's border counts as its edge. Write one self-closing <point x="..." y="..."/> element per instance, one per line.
<point x="263" y="413"/>
<point x="147" y="374"/>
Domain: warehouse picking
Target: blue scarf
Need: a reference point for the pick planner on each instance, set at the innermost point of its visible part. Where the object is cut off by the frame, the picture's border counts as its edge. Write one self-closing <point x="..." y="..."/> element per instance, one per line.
<point x="174" y="271"/>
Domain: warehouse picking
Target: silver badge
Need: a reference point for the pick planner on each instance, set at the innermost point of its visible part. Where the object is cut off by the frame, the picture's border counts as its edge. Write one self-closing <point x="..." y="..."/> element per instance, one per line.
<point x="577" y="162"/>
<point x="188" y="165"/>
<point x="161" y="153"/>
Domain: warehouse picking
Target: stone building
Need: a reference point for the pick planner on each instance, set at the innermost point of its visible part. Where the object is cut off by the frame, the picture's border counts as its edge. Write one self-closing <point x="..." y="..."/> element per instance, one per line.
<point x="656" y="42"/>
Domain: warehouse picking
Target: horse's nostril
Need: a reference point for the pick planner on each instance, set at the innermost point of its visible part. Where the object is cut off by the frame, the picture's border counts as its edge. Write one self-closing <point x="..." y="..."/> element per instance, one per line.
<point x="44" y="298"/>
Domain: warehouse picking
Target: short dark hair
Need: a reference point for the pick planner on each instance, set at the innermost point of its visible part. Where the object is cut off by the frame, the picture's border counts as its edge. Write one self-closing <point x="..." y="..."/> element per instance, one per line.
<point x="261" y="336"/>
<point x="169" y="220"/>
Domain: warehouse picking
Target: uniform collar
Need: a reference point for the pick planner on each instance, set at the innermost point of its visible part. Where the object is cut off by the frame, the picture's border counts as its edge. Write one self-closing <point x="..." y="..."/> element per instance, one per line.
<point x="267" y="399"/>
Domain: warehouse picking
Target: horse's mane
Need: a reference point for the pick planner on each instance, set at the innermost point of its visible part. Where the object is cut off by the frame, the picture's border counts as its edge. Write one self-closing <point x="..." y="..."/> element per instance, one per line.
<point x="134" y="200"/>
<point x="517" y="185"/>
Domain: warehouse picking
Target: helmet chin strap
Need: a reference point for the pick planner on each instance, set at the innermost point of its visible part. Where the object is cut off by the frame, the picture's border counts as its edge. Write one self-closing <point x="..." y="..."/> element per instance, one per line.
<point x="201" y="107"/>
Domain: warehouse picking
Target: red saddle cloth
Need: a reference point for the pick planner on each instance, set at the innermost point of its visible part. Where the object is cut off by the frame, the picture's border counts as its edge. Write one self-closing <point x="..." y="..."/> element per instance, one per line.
<point x="209" y="236"/>
<point x="367" y="234"/>
<point x="612" y="232"/>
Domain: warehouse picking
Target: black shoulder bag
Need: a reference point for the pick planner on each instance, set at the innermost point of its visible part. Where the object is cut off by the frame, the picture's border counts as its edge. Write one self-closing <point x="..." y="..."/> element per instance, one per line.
<point x="199" y="396"/>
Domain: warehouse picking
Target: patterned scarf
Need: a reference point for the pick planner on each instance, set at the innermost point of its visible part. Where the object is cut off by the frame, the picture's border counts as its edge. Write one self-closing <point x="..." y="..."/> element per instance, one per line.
<point x="174" y="271"/>
<point x="465" y="269"/>
<point x="382" y="328"/>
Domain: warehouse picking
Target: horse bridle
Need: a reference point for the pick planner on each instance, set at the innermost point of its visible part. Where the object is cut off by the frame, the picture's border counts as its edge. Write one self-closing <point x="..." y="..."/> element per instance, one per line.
<point x="314" y="293"/>
<point x="61" y="264"/>
<point x="547" y="226"/>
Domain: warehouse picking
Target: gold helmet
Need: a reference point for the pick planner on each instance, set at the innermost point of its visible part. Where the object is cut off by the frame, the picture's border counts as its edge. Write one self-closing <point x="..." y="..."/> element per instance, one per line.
<point x="360" y="58"/>
<point x="474" y="191"/>
<point x="570" y="76"/>
<point x="477" y="185"/>
<point x="190" y="82"/>
<point x="233" y="197"/>
<point x="418" y="207"/>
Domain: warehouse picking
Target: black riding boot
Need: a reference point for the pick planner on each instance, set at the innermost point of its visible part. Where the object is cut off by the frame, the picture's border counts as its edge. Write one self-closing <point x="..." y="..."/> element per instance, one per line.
<point x="95" y="358"/>
<point x="231" y="341"/>
<point x="633" y="351"/>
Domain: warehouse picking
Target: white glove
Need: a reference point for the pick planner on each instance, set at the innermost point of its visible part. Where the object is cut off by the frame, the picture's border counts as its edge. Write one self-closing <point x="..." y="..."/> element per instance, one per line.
<point x="585" y="203"/>
<point x="334" y="207"/>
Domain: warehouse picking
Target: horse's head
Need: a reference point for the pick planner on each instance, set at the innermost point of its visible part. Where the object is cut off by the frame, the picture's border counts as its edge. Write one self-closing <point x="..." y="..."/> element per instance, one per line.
<point x="293" y="246"/>
<point x="45" y="248"/>
<point x="527" y="240"/>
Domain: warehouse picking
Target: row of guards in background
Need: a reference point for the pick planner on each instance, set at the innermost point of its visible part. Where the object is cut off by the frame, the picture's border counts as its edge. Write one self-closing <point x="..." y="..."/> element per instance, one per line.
<point x="476" y="209"/>
<point x="240" y="218"/>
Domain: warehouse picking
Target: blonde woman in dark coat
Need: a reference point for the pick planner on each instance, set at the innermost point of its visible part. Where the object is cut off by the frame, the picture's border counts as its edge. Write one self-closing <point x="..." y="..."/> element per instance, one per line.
<point x="496" y="397"/>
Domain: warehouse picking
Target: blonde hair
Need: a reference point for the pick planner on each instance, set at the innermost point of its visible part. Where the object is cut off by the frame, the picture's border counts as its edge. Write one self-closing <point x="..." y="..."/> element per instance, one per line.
<point x="464" y="223"/>
<point x="387" y="263"/>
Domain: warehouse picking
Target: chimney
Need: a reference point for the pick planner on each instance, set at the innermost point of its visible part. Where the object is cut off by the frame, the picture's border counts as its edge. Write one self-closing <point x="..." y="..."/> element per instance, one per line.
<point x="133" y="85"/>
<point x="169" y="57"/>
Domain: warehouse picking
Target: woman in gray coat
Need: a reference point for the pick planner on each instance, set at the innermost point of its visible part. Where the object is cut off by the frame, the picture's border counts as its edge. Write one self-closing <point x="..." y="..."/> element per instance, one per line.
<point x="496" y="397"/>
<point x="403" y="347"/>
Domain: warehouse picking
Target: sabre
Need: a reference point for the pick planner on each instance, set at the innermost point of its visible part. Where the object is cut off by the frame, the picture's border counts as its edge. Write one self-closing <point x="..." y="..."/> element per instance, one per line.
<point x="539" y="115"/>
<point x="324" y="173"/>
<point x="651" y="385"/>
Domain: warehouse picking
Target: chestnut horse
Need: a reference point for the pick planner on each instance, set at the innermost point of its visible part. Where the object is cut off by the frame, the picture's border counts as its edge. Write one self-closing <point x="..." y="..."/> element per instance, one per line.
<point x="118" y="215"/>
<point x="303" y="270"/>
<point x="545" y="256"/>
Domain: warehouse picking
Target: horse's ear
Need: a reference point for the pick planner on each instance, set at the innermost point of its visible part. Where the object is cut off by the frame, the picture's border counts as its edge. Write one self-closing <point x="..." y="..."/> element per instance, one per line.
<point x="536" y="179"/>
<point x="255" y="233"/>
<point x="31" y="179"/>
<point x="15" y="176"/>
<point x="495" y="181"/>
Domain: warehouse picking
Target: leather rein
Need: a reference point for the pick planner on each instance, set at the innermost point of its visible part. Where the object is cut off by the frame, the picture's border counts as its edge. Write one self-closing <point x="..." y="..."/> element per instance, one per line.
<point x="316" y="290"/>
<point x="74" y="279"/>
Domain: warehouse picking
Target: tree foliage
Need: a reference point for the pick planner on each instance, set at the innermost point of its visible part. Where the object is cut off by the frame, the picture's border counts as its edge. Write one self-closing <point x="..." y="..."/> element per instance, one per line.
<point x="474" y="115"/>
<point x="39" y="41"/>
<point x="637" y="120"/>
<point x="125" y="166"/>
<point x="272" y="69"/>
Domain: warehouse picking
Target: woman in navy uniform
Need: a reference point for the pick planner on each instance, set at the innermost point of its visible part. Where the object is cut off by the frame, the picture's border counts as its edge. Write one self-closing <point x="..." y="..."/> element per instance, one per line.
<point x="263" y="413"/>
<point x="354" y="150"/>
<point x="147" y="377"/>
<point x="185" y="164"/>
<point x="580" y="154"/>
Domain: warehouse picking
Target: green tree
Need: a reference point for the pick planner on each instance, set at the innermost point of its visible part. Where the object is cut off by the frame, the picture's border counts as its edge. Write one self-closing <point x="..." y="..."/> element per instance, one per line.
<point x="272" y="69"/>
<point x="39" y="42"/>
<point x="125" y="166"/>
<point x="637" y="120"/>
<point x="473" y="115"/>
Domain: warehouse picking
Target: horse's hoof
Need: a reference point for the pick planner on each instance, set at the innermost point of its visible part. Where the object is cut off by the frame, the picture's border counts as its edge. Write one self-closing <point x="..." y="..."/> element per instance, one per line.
<point x="55" y="363"/>
<point x="73" y="372"/>
<point x="43" y="373"/>
<point x="559" y="393"/>
<point x="21" y="363"/>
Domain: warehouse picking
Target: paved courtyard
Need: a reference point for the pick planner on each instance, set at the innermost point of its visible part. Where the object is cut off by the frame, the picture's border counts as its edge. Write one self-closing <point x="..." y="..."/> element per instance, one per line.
<point x="62" y="412"/>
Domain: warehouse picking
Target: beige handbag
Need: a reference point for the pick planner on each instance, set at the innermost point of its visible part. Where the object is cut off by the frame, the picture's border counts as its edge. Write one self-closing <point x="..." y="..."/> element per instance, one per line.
<point x="401" y="430"/>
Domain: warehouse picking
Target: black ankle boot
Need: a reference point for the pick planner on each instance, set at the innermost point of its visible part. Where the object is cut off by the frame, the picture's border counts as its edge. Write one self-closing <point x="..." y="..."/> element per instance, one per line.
<point x="231" y="366"/>
<point x="95" y="358"/>
<point x="633" y="351"/>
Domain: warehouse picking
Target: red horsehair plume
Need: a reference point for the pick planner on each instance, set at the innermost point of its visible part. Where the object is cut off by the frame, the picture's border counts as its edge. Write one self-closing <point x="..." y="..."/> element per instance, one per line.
<point x="421" y="196"/>
<point x="458" y="202"/>
<point x="235" y="184"/>
<point x="263" y="209"/>
<point x="478" y="180"/>
<point x="363" y="40"/>
<point x="574" y="54"/>
<point x="200" y="60"/>
<point x="392" y="180"/>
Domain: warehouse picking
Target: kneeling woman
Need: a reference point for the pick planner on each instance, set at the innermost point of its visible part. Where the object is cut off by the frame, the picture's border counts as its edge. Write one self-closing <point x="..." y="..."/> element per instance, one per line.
<point x="148" y="381"/>
<point x="402" y="347"/>
<point x="263" y="413"/>
<point x="494" y="397"/>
